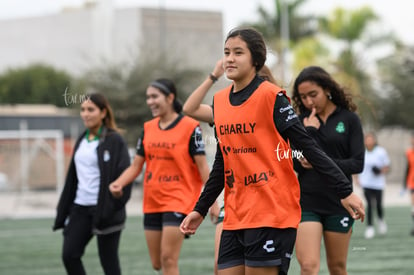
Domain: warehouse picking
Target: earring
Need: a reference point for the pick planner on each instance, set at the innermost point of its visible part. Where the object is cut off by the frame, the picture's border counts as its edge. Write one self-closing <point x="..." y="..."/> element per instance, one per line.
<point x="329" y="96"/>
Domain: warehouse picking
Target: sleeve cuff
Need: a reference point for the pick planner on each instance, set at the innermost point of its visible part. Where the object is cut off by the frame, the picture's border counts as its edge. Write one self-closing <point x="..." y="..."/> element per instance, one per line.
<point x="344" y="194"/>
<point x="202" y="212"/>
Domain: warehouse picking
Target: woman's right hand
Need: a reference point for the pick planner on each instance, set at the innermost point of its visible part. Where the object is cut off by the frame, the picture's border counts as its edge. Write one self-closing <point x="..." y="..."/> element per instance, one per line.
<point x="190" y="223"/>
<point x="218" y="70"/>
<point x="353" y="204"/>
<point x="116" y="189"/>
<point x="312" y="120"/>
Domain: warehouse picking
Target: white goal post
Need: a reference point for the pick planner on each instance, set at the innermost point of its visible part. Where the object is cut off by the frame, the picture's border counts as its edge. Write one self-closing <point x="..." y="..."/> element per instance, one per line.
<point x="27" y="153"/>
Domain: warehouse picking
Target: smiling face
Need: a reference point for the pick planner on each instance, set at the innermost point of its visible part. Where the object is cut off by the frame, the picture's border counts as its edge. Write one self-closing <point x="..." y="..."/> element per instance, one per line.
<point x="313" y="96"/>
<point x="159" y="103"/>
<point x="238" y="63"/>
<point x="91" y="115"/>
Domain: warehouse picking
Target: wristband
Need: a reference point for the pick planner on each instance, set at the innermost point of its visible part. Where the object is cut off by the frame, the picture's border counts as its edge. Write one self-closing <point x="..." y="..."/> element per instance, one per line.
<point x="213" y="77"/>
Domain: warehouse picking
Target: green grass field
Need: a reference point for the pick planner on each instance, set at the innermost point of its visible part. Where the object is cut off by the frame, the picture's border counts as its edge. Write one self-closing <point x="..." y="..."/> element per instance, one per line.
<point x="30" y="247"/>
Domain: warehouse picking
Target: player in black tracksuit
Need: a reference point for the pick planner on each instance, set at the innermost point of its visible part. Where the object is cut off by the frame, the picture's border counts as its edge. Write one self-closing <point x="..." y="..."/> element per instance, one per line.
<point x="345" y="148"/>
<point x="86" y="208"/>
<point x="327" y="113"/>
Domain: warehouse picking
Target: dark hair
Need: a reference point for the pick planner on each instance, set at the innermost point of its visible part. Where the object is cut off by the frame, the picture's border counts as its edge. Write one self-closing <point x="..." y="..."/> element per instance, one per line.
<point x="321" y="78"/>
<point x="266" y="74"/>
<point x="255" y="43"/>
<point x="166" y="86"/>
<point x="102" y="103"/>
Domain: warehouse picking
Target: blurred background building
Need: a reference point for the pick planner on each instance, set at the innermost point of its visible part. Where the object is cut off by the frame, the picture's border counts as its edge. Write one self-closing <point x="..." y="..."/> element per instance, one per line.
<point x="97" y="34"/>
<point x="78" y="38"/>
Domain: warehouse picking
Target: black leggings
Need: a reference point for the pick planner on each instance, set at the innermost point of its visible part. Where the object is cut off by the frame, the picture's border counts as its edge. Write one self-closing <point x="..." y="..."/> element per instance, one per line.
<point x="373" y="196"/>
<point x="78" y="233"/>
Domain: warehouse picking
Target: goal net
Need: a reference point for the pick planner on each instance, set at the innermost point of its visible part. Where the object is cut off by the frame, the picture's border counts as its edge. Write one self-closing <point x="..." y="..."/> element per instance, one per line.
<point x="31" y="160"/>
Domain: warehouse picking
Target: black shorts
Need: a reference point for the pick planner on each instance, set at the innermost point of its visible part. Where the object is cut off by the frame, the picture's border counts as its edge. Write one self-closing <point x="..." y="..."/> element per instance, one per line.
<point x="257" y="247"/>
<point x="335" y="223"/>
<point x="155" y="221"/>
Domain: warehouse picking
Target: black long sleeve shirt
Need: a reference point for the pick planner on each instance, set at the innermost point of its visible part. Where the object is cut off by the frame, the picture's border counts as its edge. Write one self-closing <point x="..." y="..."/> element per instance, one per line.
<point x="341" y="138"/>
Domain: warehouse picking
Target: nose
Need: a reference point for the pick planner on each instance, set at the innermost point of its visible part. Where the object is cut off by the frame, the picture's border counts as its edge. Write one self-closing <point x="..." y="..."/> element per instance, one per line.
<point x="308" y="101"/>
<point x="229" y="58"/>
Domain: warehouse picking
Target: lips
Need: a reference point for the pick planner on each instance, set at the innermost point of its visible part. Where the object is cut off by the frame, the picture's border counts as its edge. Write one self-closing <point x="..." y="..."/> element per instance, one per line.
<point x="87" y="122"/>
<point x="154" y="109"/>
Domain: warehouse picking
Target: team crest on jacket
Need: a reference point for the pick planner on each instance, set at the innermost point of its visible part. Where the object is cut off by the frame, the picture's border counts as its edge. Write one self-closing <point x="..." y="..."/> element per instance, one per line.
<point x="340" y="127"/>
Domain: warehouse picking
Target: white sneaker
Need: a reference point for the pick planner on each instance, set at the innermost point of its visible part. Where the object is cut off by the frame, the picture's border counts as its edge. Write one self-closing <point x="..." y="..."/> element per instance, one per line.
<point x="369" y="232"/>
<point x="382" y="227"/>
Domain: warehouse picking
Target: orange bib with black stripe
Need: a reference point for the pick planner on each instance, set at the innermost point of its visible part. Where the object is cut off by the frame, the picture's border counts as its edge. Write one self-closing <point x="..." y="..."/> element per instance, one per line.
<point x="261" y="188"/>
<point x="172" y="181"/>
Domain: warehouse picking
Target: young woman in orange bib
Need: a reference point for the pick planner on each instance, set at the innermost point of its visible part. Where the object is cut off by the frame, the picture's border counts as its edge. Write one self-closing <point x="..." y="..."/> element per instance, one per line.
<point x="253" y="122"/>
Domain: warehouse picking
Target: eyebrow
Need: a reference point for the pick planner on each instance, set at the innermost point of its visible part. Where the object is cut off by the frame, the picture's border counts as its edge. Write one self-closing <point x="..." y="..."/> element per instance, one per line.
<point x="308" y="92"/>
<point x="234" y="49"/>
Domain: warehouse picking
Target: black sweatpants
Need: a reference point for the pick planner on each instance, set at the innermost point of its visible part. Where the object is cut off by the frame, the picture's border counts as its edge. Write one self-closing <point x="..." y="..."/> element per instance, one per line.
<point x="78" y="233"/>
<point x="373" y="196"/>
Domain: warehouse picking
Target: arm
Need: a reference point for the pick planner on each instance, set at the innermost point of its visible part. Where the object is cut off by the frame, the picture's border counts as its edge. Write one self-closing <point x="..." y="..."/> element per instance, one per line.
<point x="193" y="107"/>
<point x="198" y="153"/>
<point x="385" y="167"/>
<point x="327" y="167"/>
<point x="323" y="164"/>
<point x="291" y="129"/>
<point x="211" y="191"/>
<point x="213" y="186"/>
<point x="355" y="179"/>
<point x="385" y="162"/>
<point x="127" y="176"/>
<point x="69" y="190"/>
<point x="202" y="166"/>
<point x="297" y="166"/>
<point x="204" y="170"/>
<point x="123" y="162"/>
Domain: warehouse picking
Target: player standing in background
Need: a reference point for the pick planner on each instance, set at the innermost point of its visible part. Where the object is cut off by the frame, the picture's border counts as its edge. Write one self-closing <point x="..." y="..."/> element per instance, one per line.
<point x="373" y="181"/>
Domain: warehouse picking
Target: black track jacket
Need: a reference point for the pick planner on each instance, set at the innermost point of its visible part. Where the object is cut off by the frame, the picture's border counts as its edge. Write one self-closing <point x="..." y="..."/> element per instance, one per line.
<point x="110" y="213"/>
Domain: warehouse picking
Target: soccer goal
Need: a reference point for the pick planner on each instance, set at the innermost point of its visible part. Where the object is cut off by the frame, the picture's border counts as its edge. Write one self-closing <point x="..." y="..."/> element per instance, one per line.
<point x="31" y="160"/>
